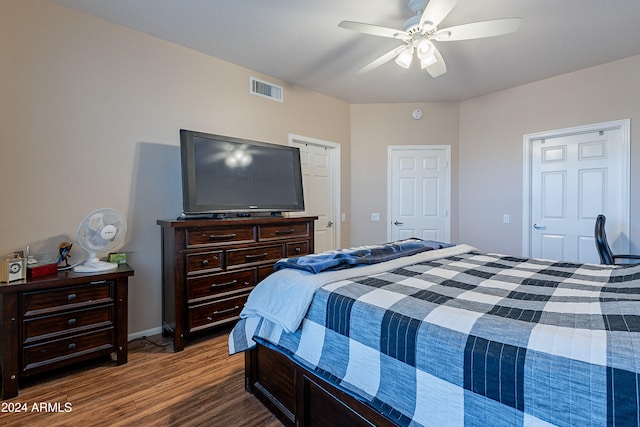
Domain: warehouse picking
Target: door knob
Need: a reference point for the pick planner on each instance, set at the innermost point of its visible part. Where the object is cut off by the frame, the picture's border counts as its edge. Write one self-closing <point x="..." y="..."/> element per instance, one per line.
<point x="396" y="222"/>
<point x="330" y="223"/>
<point x="539" y="227"/>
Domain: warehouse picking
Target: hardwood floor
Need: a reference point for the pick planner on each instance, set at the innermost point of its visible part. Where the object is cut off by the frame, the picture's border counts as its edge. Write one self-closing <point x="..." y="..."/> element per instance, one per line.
<point x="200" y="386"/>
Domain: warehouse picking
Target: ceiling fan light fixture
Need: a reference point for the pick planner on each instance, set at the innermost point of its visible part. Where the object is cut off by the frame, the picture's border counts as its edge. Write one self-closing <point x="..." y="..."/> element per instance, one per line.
<point x="427" y="61"/>
<point x="405" y="57"/>
<point x="425" y="47"/>
<point x="426" y="53"/>
<point x="422" y="29"/>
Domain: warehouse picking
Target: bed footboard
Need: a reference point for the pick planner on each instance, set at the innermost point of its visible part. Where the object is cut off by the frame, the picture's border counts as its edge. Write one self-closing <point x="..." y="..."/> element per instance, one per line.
<point x="298" y="397"/>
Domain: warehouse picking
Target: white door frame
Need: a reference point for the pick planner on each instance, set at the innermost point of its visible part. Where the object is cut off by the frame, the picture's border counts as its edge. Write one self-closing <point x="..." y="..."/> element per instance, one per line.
<point x="625" y="127"/>
<point x="334" y="153"/>
<point x="447" y="149"/>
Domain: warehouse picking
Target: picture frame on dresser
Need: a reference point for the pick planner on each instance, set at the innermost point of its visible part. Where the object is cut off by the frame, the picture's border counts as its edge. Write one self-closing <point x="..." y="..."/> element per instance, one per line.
<point x="209" y="266"/>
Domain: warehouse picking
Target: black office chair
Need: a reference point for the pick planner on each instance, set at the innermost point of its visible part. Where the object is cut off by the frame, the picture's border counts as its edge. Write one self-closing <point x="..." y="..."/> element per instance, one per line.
<point x="606" y="256"/>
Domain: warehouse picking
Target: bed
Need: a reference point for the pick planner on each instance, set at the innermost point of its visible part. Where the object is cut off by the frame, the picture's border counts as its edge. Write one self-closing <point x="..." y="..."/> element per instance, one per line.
<point x="446" y="336"/>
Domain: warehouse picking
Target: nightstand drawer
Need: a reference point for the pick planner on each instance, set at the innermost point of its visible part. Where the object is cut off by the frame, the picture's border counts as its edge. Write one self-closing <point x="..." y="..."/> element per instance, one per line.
<point x="70" y="322"/>
<point x="47" y="301"/>
<point x="222" y="283"/>
<point x="220" y="236"/>
<point x="210" y="314"/>
<point x="204" y="262"/>
<point x="296" y="230"/>
<point x="50" y="352"/>
<point x="253" y="256"/>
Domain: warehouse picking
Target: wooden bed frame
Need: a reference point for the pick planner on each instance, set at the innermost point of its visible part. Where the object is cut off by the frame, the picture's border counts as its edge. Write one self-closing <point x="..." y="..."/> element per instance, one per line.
<point x="300" y="398"/>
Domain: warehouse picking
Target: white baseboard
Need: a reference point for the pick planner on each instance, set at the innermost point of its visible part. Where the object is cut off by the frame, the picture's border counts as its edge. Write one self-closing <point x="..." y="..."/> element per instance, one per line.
<point x="147" y="333"/>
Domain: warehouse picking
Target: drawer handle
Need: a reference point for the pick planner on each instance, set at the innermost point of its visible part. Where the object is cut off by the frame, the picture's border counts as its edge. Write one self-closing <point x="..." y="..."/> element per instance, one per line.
<point x="254" y="257"/>
<point x="71" y="346"/>
<point x="228" y="310"/>
<point x="220" y="236"/>
<point x="298" y="250"/>
<point x="206" y="262"/>
<point x="281" y="232"/>
<point x="222" y="285"/>
<point x="98" y="282"/>
<point x="71" y="297"/>
<point x="72" y="322"/>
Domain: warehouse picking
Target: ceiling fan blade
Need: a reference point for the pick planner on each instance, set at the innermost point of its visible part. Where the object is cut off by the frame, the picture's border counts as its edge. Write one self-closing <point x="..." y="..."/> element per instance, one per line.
<point x="438" y="68"/>
<point x="375" y="30"/>
<point x="477" y="30"/>
<point x="381" y="60"/>
<point x="435" y="12"/>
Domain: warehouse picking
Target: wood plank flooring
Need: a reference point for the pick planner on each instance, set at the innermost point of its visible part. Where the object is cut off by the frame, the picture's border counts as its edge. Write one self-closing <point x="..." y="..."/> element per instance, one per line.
<point x="199" y="386"/>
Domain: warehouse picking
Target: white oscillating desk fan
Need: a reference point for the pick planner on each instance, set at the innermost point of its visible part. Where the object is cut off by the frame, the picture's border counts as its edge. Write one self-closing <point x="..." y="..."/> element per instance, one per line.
<point x="100" y="231"/>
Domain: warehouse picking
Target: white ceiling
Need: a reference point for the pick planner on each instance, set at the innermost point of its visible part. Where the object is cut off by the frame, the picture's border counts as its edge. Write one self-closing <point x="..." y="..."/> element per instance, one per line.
<point x="299" y="42"/>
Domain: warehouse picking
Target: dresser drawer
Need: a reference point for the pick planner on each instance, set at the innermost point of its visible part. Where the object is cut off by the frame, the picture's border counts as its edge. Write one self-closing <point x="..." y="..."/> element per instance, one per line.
<point x="46" y="301"/>
<point x="204" y="262"/>
<point x="264" y="271"/>
<point x="253" y="256"/>
<point x="50" y="352"/>
<point x="294" y="249"/>
<point x="221" y="283"/>
<point x="221" y="311"/>
<point x="206" y="236"/>
<point x="69" y="322"/>
<point x="285" y="231"/>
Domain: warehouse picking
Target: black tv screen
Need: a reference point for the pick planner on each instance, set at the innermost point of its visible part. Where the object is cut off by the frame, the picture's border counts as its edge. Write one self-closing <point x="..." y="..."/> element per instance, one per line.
<point x="222" y="174"/>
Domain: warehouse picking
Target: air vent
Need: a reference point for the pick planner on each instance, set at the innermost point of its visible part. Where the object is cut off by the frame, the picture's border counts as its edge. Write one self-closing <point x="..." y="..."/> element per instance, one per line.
<point x="265" y="89"/>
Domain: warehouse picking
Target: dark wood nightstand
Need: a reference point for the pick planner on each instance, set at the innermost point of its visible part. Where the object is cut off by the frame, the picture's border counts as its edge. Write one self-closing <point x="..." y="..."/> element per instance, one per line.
<point x="61" y="319"/>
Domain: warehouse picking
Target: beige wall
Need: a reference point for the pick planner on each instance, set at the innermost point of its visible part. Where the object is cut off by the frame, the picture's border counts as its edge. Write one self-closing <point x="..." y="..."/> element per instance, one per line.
<point x="491" y="144"/>
<point x="91" y="120"/>
<point x="486" y="135"/>
<point x="373" y="128"/>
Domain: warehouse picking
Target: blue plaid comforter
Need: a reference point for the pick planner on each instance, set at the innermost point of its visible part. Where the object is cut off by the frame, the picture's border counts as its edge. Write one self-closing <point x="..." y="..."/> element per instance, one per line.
<point x="477" y="339"/>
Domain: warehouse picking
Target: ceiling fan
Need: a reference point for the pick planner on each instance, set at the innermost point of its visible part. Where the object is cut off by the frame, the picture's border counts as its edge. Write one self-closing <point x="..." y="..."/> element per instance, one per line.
<point x="420" y="31"/>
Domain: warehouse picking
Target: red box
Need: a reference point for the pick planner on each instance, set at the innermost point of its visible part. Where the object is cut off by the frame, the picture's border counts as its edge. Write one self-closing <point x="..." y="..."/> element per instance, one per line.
<point x="41" y="270"/>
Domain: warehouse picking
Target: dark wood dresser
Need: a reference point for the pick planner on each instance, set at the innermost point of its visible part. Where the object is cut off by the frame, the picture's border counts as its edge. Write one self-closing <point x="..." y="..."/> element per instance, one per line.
<point x="61" y="319"/>
<point x="211" y="265"/>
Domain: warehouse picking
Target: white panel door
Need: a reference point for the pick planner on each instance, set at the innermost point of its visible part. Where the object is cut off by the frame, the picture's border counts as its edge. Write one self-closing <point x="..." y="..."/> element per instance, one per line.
<point x="573" y="179"/>
<point x="419" y="192"/>
<point x="318" y="175"/>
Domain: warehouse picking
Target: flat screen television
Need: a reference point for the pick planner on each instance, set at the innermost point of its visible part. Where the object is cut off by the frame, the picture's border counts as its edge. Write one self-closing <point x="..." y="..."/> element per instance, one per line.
<point x="223" y="175"/>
